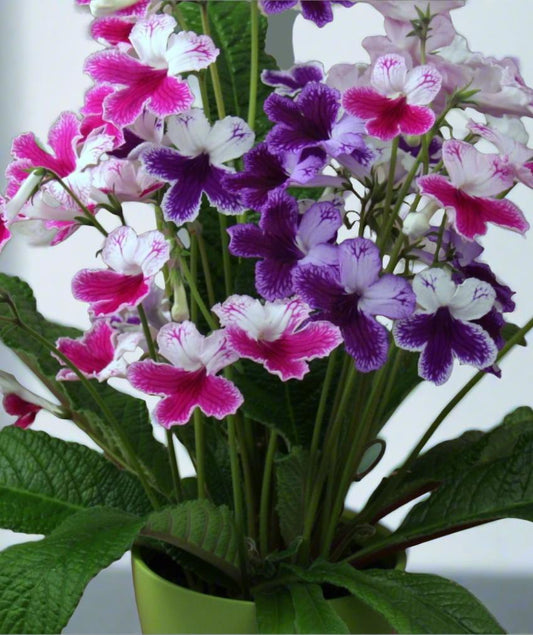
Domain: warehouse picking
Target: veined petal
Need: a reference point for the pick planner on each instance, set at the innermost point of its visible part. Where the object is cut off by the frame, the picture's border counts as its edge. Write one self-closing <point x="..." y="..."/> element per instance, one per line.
<point x="226" y="201"/>
<point x="389" y="74"/>
<point x="319" y="224"/>
<point x="473" y="345"/>
<point x="360" y="264"/>
<point x="149" y="38"/>
<point x="119" y="251"/>
<point x="152" y="252"/>
<point x="422" y="85"/>
<point x="273" y="278"/>
<point x="190" y="52"/>
<point x="112" y="30"/>
<point x="413" y="333"/>
<point x="505" y="214"/>
<point x="434" y="288"/>
<point x="318" y="286"/>
<point x="229" y="139"/>
<point x="91" y="353"/>
<point x="366" y="341"/>
<point x="182" y="345"/>
<point x="189" y="131"/>
<point x="170" y="95"/>
<point x="247" y="241"/>
<point x="472" y="299"/>
<point x="390" y="296"/>
<point x="416" y="120"/>
<point x="155" y="378"/>
<point x="108" y="291"/>
<point x="364" y="102"/>
<point x="219" y="397"/>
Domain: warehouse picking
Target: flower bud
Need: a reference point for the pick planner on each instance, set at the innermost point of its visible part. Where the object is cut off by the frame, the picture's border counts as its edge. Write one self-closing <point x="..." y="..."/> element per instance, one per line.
<point x="100" y="8"/>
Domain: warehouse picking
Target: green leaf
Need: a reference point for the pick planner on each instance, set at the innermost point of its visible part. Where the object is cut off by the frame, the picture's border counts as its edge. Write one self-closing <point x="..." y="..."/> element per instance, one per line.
<point x="41" y="582"/>
<point x="230" y="30"/>
<point x="130" y="413"/>
<point x="477" y="478"/>
<point x="410" y="602"/>
<point x="291" y="474"/>
<point x="275" y="612"/>
<point x="43" y="480"/>
<point x="201" y="529"/>
<point x="312" y="614"/>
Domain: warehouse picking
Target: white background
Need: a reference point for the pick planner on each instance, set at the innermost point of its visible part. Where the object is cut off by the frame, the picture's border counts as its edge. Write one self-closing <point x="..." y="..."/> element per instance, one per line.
<point x="44" y="43"/>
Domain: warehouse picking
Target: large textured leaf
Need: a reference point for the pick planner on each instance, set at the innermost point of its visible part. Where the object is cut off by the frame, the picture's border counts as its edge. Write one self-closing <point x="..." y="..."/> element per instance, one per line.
<point x="411" y="602"/>
<point x="41" y="582"/>
<point x="291" y="474"/>
<point x="43" y="480"/>
<point x="129" y="413"/>
<point x="275" y="611"/>
<point x="312" y="614"/>
<point x="491" y="477"/>
<point x="230" y="30"/>
<point x="202" y="529"/>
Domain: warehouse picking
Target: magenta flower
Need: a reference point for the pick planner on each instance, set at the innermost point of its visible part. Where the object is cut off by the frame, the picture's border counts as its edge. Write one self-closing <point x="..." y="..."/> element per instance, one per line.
<point x="474" y="178"/>
<point x="444" y="331"/>
<point x="278" y="335"/>
<point x="151" y="80"/>
<point x="99" y="353"/>
<point x="20" y="408"/>
<point x="5" y="234"/>
<point x="190" y="379"/>
<point x="352" y="295"/>
<point x="284" y="240"/>
<point x="133" y="261"/>
<point x="397" y="101"/>
<point x="93" y="114"/>
<point x="197" y="167"/>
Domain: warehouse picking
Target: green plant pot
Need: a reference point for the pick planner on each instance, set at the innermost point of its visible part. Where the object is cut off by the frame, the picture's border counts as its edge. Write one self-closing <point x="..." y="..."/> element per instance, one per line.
<point x="165" y="607"/>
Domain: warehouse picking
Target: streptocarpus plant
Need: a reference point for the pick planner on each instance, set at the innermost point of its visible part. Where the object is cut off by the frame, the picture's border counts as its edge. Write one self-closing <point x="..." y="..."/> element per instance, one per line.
<point x="315" y="255"/>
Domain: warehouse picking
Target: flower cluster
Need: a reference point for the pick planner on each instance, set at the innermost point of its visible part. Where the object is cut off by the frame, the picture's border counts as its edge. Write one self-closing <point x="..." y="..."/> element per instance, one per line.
<point x="363" y="218"/>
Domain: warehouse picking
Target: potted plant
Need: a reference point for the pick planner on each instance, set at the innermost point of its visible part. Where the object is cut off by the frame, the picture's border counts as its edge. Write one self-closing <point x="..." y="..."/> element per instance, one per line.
<point x="315" y="255"/>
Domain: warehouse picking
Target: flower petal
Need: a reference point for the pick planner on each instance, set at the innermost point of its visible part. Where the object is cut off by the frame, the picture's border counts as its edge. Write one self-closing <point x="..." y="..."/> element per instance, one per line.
<point x="219" y="397"/>
<point x="188" y="131"/>
<point x="472" y="299"/>
<point x="108" y="291"/>
<point x="182" y="345"/>
<point x="434" y="288"/>
<point x="389" y="74"/>
<point x="422" y="85"/>
<point x="390" y="296"/>
<point x="229" y="139"/>
<point x="359" y="263"/>
<point x="188" y="51"/>
<point x="366" y="341"/>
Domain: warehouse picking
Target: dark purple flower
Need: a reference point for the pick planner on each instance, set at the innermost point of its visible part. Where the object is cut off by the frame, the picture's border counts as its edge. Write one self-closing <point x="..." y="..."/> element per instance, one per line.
<point x="319" y="11"/>
<point x="266" y="174"/>
<point x="445" y="331"/>
<point x="285" y="240"/>
<point x="198" y="166"/>
<point x="352" y="295"/>
<point x="312" y="121"/>
<point x="291" y="81"/>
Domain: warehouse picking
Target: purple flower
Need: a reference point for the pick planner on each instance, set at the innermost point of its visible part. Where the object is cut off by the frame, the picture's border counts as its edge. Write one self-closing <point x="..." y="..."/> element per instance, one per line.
<point x="352" y="295"/>
<point x="444" y="330"/>
<point x="312" y="121"/>
<point x="198" y="166"/>
<point x="285" y="240"/>
<point x="293" y="80"/>
<point x="266" y="174"/>
<point x="319" y="11"/>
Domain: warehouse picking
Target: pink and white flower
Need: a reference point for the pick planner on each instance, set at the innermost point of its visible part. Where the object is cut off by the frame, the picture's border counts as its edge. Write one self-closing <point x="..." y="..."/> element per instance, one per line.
<point x="467" y="196"/>
<point x="99" y="353"/>
<point x="190" y="379"/>
<point x="151" y="79"/>
<point x="133" y="262"/>
<point x="397" y="101"/>
<point x="126" y="179"/>
<point x="278" y="335"/>
<point x="101" y="8"/>
<point x="5" y="234"/>
<point x="406" y="10"/>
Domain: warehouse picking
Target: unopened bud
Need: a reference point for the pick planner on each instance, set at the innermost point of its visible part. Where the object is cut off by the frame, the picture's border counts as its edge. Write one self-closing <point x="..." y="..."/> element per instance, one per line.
<point x="26" y="189"/>
<point x="101" y="8"/>
<point x="9" y="385"/>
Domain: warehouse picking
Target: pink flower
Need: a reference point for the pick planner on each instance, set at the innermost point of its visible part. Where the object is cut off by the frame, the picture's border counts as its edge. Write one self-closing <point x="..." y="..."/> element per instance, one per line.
<point x="5" y="234"/>
<point x="23" y="410"/>
<point x="151" y="79"/>
<point x="276" y="334"/>
<point x="133" y="261"/>
<point x="98" y="353"/>
<point x="189" y="380"/>
<point x="397" y="102"/>
<point x="474" y="178"/>
<point x="120" y="7"/>
<point x="405" y="10"/>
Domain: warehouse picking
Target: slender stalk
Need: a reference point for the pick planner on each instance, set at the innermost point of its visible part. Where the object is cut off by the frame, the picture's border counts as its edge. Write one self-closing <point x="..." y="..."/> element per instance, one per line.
<point x="194" y="275"/>
<point x="199" y="446"/>
<point x="196" y="294"/>
<point x="390" y="181"/>
<point x="174" y="467"/>
<point x="147" y="334"/>
<point x="213" y="68"/>
<point x="265" y="493"/>
<point x="226" y="262"/>
<point x="206" y="269"/>
<point x="254" y="62"/>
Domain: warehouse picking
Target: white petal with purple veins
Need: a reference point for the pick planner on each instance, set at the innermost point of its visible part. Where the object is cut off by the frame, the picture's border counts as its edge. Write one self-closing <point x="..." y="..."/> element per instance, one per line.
<point x="119" y="251"/>
<point x="390" y="296"/>
<point x="229" y="139"/>
<point x="360" y="264"/>
<point x="149" y="38"/>
<point x="389" y="74"/>
<point x="472" y="300"/>
<point x="422" y="85"/>
<point x="189" y="52"/>
<point x="152" y="252"/>
<point x="189" y="131"/>
<point x="434" y="288"/>
<point x="182" y="345"/>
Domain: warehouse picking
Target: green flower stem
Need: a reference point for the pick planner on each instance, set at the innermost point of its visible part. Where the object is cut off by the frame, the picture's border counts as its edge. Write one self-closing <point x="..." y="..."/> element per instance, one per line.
<point x="266" y="487"/>
<point x="390" y="182"/>
<point x="398" y="355"/>
<point x="213" y="68"/>
<point x="397" y="478"/>
<point x="439" y="239"/>
<point x="180" y="18"/>
<point x="196" y="294"/>
<point x="199" y="448"/>
<point x="254" y="62"/>
<point x="205" y="268"/>
<point x="132" y="458"/>
<point x="194" y="276"/>
<point x="346" y="365"/>
<point x="147" y="334"/>
<point x="224" y="241"/>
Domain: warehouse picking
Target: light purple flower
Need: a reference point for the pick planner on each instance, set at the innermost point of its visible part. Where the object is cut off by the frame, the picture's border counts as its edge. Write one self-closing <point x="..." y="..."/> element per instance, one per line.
<point x="444" y="331"/>
<point x="405" y="10"/>
<point x="294" y="79"/>
<point x="133" y="261"/>
<point x="278" y="335"/>
<point x="284" y="239"/>
<point x="190" y="379"/>
<point x="352" y="295"/>
<point x="197" y="166"/>
<point x="397" y="101"/>
<point x="474" y="179"/>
